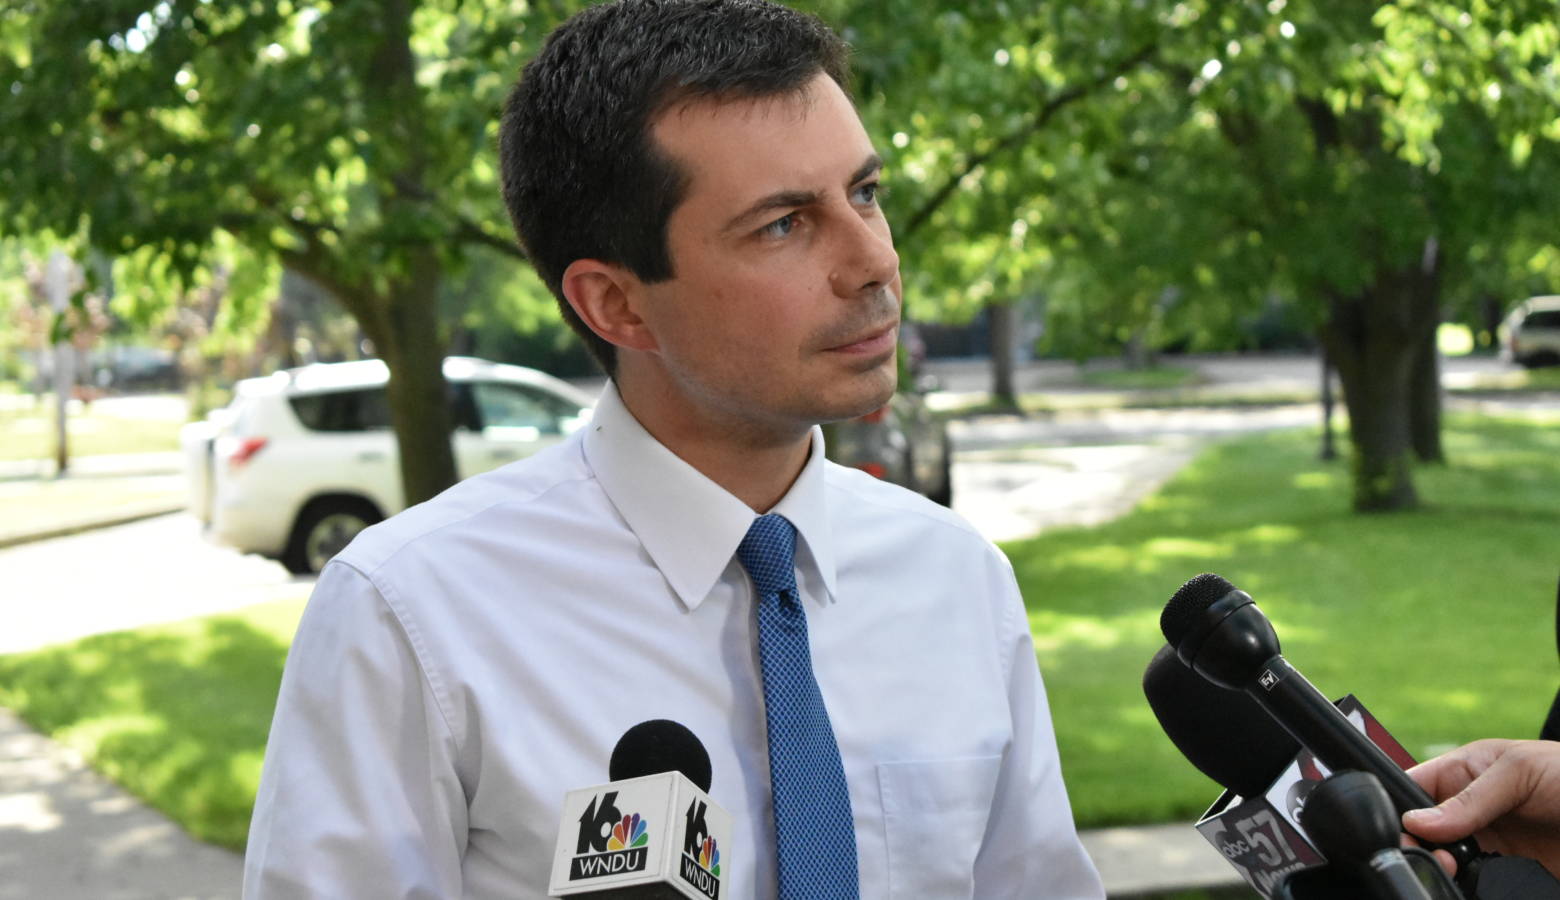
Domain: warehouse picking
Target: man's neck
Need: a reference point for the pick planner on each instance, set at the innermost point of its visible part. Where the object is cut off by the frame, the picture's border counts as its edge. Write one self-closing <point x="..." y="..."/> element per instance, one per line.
<point x="756" y="465"/>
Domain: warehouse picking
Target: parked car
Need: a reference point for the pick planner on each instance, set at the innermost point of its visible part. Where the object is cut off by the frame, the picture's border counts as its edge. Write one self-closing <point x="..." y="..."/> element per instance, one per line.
<point x="1531" y="334"/>
<point x="304" y="459"/>
<point x="901" y="442"/>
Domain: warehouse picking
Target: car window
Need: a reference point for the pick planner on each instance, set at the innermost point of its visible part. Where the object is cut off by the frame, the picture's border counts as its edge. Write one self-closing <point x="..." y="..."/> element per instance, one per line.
<point x="502" y="405"/>
<point x="360" y="410"/>
<point x="1549" y="318"/>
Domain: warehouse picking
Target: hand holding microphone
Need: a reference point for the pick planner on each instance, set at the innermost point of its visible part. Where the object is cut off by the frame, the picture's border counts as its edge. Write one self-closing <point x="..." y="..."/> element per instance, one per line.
<point x="1508" y="792"/>
<point x="1220" y="633"/>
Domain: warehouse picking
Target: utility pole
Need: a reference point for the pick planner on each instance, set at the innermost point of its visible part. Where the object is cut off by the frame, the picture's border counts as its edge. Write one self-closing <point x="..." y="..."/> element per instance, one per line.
<point x="56" y="284"/>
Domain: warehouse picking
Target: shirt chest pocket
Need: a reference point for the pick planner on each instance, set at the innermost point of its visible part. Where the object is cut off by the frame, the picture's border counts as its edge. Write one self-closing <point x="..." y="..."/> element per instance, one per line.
<point x="934" y="816"/>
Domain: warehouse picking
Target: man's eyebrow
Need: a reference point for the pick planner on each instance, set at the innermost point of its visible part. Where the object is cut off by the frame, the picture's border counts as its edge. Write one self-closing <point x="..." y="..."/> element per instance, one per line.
<point x="777" y="200"/>
<point x="872" y="166"/>
<point x="793" y="199"/>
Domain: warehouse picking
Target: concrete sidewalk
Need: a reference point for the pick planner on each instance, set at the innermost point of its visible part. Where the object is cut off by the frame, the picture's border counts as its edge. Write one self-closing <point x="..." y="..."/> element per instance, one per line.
<point x="68" y="833"/>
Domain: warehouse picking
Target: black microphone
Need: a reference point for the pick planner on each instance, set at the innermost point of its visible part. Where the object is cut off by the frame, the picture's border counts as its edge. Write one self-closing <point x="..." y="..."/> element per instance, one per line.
<point x="1224" y="733"/>
<point x="652" y="832"/>
<point x="1351" y="820"/>
<point x="656" y="746"/>
<point x="1220" y="633"/>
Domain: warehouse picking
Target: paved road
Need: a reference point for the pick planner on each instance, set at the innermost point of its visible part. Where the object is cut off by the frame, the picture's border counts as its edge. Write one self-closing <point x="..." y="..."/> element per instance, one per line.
<point x="126" y="576"/>
<point x="1264" y="372"/>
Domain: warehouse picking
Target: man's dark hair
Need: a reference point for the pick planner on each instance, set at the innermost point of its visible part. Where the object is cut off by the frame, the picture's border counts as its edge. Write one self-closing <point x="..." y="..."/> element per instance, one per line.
<point x="582" y="177"/>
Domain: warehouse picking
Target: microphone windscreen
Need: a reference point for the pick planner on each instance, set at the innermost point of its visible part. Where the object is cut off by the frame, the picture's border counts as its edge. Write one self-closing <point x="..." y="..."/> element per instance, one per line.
<point x="1196" y="595"/>
<point x="1226" y="734"/>
<point x="660" y="745"/>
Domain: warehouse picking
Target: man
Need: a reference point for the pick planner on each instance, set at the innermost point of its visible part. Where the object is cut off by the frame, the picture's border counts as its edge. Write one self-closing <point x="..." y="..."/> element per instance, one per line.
<point x="691" y="180"/>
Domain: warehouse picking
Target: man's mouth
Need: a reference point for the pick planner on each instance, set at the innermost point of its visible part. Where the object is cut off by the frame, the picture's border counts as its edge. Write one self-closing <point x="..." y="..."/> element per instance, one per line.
<point x="870" y="342"/>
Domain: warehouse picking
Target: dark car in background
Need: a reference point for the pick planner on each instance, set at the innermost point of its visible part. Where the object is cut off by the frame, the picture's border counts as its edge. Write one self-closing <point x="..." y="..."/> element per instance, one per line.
<point x="902" y="441"/>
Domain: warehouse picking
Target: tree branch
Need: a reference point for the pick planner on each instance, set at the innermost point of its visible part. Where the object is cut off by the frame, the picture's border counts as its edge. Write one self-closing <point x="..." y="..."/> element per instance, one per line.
<point x="1038" y="121"/>
<point x="469" y="232"/>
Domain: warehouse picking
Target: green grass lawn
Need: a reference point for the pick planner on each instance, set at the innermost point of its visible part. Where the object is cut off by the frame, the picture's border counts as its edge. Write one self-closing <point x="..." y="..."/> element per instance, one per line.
<point x="1547" y="378"/>
<point x="1440" y="620"/>
<point x="177" y="714"/>
<point x="30" y="506"/>
<point x="28" y="433"/>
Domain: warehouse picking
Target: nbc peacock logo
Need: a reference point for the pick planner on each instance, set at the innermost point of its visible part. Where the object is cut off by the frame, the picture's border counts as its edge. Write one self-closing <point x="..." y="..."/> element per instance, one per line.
<point x="610" y="842"/>
<point x="700" y="865"/>
<point x="629" y="833"/>
<point x="709" y="857"/>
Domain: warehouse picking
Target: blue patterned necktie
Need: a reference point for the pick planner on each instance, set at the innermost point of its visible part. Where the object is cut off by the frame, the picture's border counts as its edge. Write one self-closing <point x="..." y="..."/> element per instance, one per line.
<point x="815" y="836"/>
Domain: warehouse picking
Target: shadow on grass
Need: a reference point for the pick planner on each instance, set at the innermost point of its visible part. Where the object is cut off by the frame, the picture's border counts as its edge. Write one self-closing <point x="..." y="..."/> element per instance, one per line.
<point x="178" y="715"/>
<point x="1440" y="619"/>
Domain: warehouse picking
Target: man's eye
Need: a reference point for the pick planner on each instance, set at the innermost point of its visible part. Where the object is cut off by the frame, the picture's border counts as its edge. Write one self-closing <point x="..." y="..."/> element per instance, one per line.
<point x="869" y="193"/>
<point x="779" y="227"/>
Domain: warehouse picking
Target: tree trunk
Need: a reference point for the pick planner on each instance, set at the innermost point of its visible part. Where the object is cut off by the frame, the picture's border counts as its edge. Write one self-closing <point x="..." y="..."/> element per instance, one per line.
<point x="410" y="343"/>
<point x="1001" y="320"/>
<point x="1375" y="337"/>
<point x="1329" y="449"/>
<point x="419" y="408"/>
<point x="1424" y="401"/>
<point x="1374" y="359"/>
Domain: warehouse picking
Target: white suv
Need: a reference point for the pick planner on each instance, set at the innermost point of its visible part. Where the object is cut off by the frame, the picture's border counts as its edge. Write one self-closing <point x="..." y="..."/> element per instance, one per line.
<point x="304" y="459"/>
<point x="1532" y="332"/>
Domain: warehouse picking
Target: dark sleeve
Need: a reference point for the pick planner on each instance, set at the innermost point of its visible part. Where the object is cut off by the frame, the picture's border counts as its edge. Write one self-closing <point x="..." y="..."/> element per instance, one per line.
<point x="1551" y="729"/>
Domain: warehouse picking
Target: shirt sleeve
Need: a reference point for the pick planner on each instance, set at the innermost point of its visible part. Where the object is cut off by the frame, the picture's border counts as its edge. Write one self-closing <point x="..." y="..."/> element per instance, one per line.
<point x="1031" y="847"/>
<point x="359" y="795"/>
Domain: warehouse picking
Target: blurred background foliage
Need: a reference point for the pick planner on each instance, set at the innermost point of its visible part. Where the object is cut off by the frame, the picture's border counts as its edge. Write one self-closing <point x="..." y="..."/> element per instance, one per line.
<point x="1148" y="175"/>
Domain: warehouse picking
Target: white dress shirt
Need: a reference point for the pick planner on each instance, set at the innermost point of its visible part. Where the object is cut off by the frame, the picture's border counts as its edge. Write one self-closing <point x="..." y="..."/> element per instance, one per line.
<point x="465" y="663"/>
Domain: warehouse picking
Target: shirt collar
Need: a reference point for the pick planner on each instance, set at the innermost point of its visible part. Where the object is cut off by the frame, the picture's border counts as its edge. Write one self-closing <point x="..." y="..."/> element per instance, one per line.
<point x="689" y="525"/>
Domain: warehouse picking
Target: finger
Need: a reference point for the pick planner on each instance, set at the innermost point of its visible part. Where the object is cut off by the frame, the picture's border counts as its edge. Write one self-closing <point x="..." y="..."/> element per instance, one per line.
<point x="1498" y="790"/>
<point x="1450" y="772"/>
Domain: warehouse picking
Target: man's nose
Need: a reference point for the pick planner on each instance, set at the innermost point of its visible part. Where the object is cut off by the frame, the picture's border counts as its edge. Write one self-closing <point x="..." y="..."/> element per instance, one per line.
<point x="867" y="262"/>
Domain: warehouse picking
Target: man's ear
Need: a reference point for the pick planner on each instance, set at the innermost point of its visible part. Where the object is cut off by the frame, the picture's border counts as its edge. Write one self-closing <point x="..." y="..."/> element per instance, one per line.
<point x="606" y="297"/>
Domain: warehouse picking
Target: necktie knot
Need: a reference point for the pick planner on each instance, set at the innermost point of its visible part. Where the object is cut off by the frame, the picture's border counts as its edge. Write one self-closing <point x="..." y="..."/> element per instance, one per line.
<point x="768" y="553"/>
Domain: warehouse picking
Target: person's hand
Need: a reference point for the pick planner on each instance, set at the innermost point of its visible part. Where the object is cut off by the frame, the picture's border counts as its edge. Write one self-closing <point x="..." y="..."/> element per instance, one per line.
<point x="1505" y="793"/>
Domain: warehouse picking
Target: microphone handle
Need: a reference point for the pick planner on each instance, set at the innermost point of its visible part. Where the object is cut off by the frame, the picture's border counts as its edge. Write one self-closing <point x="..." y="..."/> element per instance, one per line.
<point x="1392" y="879"/>
<point x="1312" y="719"/>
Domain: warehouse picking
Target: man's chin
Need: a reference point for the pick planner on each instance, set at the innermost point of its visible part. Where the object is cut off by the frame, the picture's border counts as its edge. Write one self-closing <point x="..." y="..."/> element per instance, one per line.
<point x="869" y="399"/>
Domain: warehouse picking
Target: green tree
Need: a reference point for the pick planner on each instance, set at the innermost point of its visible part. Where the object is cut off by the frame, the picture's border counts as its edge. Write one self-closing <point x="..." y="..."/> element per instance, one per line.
<point x="350" y="143"/>
<point x="1175" y="165"/>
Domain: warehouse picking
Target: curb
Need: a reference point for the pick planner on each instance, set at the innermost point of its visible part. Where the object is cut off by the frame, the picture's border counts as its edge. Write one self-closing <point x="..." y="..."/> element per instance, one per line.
<point x="134" y="514"/>
<point x="1153" y="860"/>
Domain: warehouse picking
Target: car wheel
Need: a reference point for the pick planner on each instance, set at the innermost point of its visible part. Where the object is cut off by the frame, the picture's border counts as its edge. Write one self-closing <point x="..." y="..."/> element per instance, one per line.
<point x="944" y="493"/>
<point x="325" y="528"/>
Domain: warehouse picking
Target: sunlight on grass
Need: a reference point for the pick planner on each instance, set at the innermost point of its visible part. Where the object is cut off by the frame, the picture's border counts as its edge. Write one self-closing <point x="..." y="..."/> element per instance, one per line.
<point x="178" y="714"/>
<point x="1052" y="631"/>
<point x="1170" y="548"/>
<point x="1317" y="481"/>
<point x="30" y="434"/>
<point x="1462" y="700"/>
<point x="1440" y="620"/>
<point x="1269" y="533"/>
<point x="1105" y="557"/>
